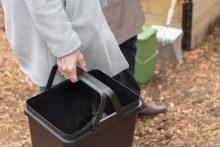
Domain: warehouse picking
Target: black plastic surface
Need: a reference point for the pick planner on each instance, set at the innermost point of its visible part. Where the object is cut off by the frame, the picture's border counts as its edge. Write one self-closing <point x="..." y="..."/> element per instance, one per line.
<point x="125" y="96"/>
<point x="69" y="107"/>
<point x="187" y="24"/>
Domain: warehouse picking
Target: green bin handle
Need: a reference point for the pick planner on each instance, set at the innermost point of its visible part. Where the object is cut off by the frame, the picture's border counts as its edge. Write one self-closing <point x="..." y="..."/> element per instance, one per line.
<point x="148" y="59"/>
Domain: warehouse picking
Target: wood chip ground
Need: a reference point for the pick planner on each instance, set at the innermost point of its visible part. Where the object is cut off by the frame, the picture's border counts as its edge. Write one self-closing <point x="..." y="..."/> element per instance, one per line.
<point x="191" y="91"/>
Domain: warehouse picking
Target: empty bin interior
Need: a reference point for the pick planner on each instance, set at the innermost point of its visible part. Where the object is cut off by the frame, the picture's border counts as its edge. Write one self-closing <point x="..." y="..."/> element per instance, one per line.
<point x="71" y="106"/>
<point x="69" y="109"/>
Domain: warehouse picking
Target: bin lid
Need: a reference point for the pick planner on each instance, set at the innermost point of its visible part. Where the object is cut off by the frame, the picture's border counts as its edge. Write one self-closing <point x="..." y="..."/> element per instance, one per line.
<point x="147" y="32"/>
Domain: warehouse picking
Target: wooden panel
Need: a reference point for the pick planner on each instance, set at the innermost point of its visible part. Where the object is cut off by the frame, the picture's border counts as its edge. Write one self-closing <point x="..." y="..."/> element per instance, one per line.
<point x="156" y="12"/>
<point x="160" y="7"/>
<point x="205" y="16"/>
<point x="202" y="5"/>
<point x="160" y="20"/>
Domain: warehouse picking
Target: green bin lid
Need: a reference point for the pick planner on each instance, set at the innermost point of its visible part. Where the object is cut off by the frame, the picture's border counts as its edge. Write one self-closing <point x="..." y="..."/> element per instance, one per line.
<point x="147" y="32"/>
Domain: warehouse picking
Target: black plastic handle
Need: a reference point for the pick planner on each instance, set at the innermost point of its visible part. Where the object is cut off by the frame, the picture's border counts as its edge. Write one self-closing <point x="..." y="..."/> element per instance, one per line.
<point x="103" y="90"/>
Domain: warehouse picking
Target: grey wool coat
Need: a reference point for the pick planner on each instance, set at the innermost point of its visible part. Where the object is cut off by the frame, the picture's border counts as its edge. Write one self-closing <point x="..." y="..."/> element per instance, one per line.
<point x="40" y="31"/>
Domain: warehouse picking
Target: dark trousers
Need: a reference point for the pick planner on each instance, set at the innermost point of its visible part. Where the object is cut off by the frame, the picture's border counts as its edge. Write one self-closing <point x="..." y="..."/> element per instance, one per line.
<point x="126" y="77"/>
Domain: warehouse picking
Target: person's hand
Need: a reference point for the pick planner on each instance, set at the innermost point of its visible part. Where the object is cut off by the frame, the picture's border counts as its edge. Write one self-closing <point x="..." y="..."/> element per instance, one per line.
<point x="67" y="65"/>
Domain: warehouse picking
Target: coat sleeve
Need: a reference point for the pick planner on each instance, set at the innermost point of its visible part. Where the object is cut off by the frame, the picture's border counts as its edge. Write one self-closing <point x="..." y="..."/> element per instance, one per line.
<point x="53" y="25"/>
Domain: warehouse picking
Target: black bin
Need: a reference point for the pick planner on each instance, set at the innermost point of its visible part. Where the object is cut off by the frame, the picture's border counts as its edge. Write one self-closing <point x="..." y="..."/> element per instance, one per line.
<point x="97" y="111"/>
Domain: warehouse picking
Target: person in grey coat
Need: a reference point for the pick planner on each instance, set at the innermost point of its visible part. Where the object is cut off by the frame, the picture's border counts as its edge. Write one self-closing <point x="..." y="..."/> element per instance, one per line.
<point x="67" y="32"/>
<point x="126" y="18"/>
<point x="43" y="33"/>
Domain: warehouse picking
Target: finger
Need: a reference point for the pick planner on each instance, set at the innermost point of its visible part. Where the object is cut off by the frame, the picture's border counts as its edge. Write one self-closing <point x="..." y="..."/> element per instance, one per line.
<point x="73" y="75"/>
<point x="82" y="62"/>
<point x="60" y="71"/>
<point x="59" y="66"/>
<point x="70" y="64"/>
<point x="64" y="68"/>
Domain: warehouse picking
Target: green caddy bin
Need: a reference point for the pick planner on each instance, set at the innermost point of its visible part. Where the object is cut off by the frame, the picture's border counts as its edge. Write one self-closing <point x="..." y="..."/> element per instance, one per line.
<point x="146" y="55"/>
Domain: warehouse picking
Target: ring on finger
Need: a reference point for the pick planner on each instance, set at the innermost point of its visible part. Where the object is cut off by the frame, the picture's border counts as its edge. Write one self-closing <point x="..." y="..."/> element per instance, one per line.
<point x="65" y="76"/>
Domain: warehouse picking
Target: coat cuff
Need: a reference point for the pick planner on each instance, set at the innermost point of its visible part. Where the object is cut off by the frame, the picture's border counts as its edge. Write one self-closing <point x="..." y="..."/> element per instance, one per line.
<point x="68" y="46"/>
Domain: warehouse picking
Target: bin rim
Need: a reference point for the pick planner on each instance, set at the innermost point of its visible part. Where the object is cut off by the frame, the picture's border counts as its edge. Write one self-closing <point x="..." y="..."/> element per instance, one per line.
<point x="104" y="91"/>
<point x="68" y="138"/>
